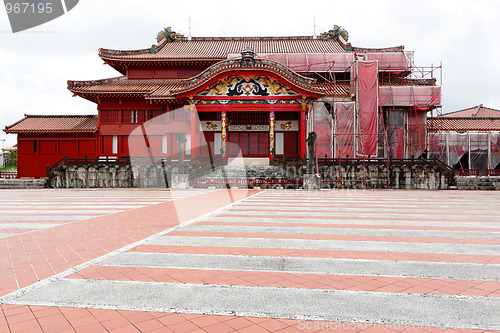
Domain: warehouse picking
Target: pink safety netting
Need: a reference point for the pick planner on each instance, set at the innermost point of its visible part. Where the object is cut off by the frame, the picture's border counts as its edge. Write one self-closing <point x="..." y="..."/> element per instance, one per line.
<point x="416" y="133"/>
<point x="344" y="129"/>
<point x="390" y="61"/>
<point x="367" y="102"/>
<point x="396" y="133"/>
<point x="419" y="96"/>
<point x="309" y="62"/>
<point x="470" y="150"/>
<point x="322" y="125"/>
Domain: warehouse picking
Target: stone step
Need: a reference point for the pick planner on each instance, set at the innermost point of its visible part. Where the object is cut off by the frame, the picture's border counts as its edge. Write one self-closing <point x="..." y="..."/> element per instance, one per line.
<point x="22" y="183"/>
<point x="245" y="172"/>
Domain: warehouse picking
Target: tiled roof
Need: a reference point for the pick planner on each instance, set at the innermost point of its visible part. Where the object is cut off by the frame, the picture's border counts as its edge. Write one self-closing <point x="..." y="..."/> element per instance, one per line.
<point x="297" y="80"/>
<point x="122" y="85"/>
<point x="409" y="82"/>
<point x="478" y="111"/>
<point x="463" y="124"/>
<point x="335" y="89"/>
<point x="165" y="88"/>
<point x="218" y="48"/>
<point x="54" y="124"/>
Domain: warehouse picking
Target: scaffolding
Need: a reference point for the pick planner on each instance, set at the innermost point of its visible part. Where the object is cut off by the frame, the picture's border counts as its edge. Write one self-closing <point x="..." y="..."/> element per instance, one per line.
<point x="405" y="95"/>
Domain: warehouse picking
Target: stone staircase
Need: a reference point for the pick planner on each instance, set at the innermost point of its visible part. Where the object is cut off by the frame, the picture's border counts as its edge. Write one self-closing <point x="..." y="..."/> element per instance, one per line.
<point x="245" y="172"/>
<point x="478" y="182"/>
<point x="22" y="183"/>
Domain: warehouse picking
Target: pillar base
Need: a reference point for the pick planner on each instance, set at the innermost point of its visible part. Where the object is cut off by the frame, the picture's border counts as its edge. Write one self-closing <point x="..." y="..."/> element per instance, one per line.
<point x="311" y="182"/>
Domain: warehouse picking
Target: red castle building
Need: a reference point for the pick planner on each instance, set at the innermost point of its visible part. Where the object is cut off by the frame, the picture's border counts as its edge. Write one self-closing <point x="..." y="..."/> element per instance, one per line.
<point x="254" y="97"/>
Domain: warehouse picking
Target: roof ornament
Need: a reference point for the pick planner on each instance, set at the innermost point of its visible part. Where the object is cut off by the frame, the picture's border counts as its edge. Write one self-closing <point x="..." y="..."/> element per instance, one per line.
<point x="335" y="33"/>
<point x="169" y="35"/>
<point x="247" y="57"/>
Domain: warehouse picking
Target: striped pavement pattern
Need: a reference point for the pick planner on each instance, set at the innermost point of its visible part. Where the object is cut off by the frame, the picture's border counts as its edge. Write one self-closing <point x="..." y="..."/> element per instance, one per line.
<point x="295" y="261"/>
<point x="27" y="210"/>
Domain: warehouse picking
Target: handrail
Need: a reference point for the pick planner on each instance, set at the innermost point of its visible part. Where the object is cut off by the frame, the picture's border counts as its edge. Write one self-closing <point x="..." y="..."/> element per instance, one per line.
<point x="8" y="174"/>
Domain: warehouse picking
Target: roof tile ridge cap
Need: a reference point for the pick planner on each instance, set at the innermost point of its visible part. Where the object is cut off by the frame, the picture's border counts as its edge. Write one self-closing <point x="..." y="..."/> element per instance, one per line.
<point x="14" y="124"/>
<point x="477" y="111"/>
<point x="112" y="52"/>
<point x="485" y="107"/>
<point x="81" y="83"/>
<point x="59" y="115"/>
<point x="247" y="38"/>
<point x="160" y="45"/>
<point x="398" y="48"/>
<point x="453" y="112"/>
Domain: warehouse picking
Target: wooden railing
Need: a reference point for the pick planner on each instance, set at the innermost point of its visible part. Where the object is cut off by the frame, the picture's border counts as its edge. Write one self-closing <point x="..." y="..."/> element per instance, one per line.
<point x="244" y="182"/>
<point x="8" y="174"/>
<point x="492" y="172"/>
<point x="468" y="172"/>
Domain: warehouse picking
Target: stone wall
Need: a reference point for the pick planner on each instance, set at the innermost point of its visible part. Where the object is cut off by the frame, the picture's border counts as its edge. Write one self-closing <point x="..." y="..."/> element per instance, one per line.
<point x="109" y="175"/>
<point x="382" y="176"/>
<point x="352" y="175"/>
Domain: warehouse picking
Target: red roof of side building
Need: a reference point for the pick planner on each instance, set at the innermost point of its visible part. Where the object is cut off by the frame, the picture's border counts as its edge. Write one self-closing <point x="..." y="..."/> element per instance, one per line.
<point x="477" y="118"/>
<point x="218" y="48"/>
<point x="122" y="85"/>
<point x="54" y="124"/>
<point x="478" y="111"/>
<point x="162" y="88"/>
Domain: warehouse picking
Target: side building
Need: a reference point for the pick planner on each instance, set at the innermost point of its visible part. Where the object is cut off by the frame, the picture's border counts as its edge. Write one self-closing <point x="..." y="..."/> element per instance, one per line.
<point x="255" y="97"/>
<point x="467" y="140"/>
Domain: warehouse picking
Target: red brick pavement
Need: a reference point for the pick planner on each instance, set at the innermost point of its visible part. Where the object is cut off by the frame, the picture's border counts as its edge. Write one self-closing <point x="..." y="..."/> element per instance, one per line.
<point x="32" y="256"/>
<point x="406" y="239"/>
<point x="293" y="280"/>
<point x="306" y="253"/>
<point x="44" y="319"/>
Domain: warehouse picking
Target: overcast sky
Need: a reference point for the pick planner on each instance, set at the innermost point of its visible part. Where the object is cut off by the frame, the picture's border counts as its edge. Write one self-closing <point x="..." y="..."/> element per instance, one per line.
<point x="35" y="64"/>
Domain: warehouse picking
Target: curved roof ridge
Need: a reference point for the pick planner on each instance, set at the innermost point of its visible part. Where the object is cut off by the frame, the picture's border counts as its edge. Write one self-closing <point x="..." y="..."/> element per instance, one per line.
<point x="59" y="115"/>
<point x="399" y="48"/>
<point x="72" y="83"/>
<point x="258" y="64"/>
<point x="477" y="108"/>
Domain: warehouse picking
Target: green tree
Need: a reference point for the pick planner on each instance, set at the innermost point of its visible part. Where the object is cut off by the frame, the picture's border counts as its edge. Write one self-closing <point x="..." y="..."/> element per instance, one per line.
<point x="11" y="159"/>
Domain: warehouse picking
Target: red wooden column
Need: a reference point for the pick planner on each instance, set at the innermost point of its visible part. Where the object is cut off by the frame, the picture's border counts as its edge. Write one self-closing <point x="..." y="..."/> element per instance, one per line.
<point x="272" y="121"/>
<point x="223" y="144"/>
<point x="302" y="131"/>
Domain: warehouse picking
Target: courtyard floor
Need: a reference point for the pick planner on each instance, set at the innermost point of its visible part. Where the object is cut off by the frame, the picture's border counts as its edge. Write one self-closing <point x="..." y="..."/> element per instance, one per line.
<point x="140" y="260"/>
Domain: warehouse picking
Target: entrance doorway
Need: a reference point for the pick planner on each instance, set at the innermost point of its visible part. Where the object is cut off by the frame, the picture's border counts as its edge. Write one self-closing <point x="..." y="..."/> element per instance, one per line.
<point x="249" y="144"/>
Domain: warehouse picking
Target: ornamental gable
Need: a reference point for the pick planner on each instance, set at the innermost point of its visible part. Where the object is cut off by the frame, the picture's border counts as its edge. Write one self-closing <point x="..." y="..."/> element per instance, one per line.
<point x="248" y="86"/>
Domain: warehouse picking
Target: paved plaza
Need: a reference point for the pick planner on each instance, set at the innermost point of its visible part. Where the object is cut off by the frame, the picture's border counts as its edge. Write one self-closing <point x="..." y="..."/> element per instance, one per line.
<point x="154" y="260"/>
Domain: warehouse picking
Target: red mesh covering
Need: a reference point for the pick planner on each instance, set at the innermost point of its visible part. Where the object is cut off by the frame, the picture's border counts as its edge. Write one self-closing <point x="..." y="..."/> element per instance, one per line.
<point x="344" y="129"/>
<point x="367" y="91"/>
<point x="396" y="133"/>
<point x="390" y="61"/>
<point x="314" y="62"/>
<point x="419" y="96"/>
<point x="416" y="133"/>
<point x="323" y="128"/>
